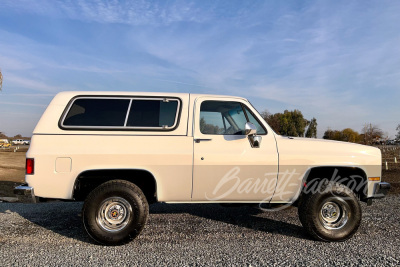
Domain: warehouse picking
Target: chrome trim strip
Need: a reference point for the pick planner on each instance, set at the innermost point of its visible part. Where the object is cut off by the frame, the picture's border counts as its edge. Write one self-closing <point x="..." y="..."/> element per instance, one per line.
<point x="127" y="113"/>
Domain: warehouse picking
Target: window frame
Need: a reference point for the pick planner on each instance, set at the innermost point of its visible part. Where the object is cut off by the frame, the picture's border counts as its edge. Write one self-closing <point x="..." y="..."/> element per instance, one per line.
<point x="254" y="116"/>
<point x="121" y="128"/>
<point x="242" y="105"/>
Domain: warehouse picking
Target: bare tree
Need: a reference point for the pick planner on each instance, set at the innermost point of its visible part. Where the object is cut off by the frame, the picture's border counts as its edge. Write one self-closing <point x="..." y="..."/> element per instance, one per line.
<point x="3" y="135"/>
<point x="371" y="133"/>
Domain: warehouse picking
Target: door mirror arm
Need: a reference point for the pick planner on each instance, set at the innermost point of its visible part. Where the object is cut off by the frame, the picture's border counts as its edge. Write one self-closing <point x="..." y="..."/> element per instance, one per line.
<point x="250" y="129"/>
<point x="251" y="132"/>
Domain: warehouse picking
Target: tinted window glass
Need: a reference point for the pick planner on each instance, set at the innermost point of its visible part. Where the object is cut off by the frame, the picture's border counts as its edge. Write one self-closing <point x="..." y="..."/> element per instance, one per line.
<point x="152" y="113"/>
<point x="212" y="123"/>
<point x="252" y="119"/>
<point x="97" y="112"/>
<point x="222" y="118"/>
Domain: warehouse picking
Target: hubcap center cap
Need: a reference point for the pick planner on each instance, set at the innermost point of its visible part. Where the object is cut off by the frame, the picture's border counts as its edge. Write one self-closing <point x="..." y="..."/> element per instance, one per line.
<point x="114" y="214"/>
<point x="334" y="214"/>
<point x="330" y="212"/>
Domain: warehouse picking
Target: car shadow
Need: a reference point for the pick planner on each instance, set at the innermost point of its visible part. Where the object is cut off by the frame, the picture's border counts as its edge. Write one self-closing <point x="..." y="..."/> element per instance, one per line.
<point x="65" y="218"/>
<point x="250" y="217"/>
<point x="59" y="217"/>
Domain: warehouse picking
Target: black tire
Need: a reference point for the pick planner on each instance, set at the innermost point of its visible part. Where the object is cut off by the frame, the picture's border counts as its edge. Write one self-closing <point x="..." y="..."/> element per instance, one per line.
<point x="331" y="214"/>
<point x="115" y="212"/>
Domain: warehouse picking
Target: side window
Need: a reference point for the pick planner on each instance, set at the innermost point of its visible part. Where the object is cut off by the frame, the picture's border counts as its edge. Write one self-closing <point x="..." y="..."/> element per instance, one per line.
<point x="97" y="112"/>
<point x="212" y="123"/>
<point x="252" y="119"/>
<point x="122" y="113"/>
<point x="222" y="118"/>
<point x="152" y="113"/>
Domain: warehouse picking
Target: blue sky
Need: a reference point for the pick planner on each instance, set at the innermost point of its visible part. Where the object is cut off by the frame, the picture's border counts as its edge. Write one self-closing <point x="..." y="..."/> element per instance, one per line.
<point x="338" y="61"/>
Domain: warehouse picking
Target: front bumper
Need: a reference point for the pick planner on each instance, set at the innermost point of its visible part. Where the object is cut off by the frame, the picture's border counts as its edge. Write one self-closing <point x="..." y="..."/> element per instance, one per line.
<point x="381" y="190"/>
<point x="25" y="194"/>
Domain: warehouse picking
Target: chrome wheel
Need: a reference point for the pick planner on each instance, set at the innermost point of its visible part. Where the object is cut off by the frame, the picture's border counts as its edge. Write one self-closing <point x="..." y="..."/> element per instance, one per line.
<point x="114" y="214"/>
<point x="334" y="214"/>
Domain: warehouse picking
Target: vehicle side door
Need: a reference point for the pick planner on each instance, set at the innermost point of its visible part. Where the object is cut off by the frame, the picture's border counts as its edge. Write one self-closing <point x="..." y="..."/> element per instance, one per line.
<point x="226" y="166"/>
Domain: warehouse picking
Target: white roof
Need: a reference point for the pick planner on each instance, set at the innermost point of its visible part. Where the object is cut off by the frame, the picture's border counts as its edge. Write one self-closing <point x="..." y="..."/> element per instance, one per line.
<point x="70" y="94"/>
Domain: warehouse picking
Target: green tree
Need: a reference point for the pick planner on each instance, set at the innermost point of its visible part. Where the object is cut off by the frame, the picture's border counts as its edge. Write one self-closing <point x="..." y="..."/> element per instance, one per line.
<point x="272" y="120"/>
<point x="349" y="135"/>
<point x="333" y="135"/>
<point x="289" y="123"/>
<point x="328" y="134"/>
<point x="293" y="123"/>
<point x="346" y="135"/>
<point x="209" y="128"/>
<point x="312" y="129"/>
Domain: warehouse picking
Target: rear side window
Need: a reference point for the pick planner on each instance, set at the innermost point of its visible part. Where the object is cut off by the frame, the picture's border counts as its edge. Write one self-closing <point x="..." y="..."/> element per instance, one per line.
<point x="97" y="112"/>
<point x="122" y="113"/>
<point x="152" y="113"/>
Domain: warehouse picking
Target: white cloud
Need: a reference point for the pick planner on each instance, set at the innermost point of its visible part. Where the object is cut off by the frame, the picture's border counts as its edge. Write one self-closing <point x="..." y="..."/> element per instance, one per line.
<point x="137" y="12"/>
<point x="22" y="104"/>
<point x="12" y="63"/>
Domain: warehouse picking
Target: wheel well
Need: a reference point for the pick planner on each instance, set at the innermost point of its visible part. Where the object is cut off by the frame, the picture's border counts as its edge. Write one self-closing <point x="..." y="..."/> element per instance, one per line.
<point x="89" y="180"/>
<point x="352" y="177"/>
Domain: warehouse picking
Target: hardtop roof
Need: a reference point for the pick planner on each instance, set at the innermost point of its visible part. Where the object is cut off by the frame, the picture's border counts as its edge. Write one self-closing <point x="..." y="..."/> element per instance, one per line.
<point x="71" y="94"/>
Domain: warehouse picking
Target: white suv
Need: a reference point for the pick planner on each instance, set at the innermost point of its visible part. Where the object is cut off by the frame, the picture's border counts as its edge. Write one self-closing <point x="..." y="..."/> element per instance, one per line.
<point x="120" y="151"/>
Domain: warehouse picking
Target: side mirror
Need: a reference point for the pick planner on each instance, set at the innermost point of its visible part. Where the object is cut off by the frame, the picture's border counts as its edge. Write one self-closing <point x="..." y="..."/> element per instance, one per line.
<point x="255" y="141"/>
<point x="250" y="129"/>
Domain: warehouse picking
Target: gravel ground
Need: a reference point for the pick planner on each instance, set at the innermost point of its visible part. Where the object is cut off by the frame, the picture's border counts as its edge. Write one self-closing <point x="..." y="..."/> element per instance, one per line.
<point x="51" y="234"/>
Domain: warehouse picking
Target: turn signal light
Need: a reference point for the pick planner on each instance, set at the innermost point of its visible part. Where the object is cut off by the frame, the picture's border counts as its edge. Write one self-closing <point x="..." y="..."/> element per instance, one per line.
<point x="30" y="166"/>
<point x="374" y="178"/>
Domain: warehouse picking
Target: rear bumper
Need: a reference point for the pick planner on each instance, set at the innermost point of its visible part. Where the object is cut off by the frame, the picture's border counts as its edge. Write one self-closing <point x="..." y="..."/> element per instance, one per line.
<point x="25" y="194"/>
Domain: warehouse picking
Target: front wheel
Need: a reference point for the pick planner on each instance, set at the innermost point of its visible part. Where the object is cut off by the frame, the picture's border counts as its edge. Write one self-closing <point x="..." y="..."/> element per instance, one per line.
<point x="115" y="212"/>
<point x="331" y="214"/>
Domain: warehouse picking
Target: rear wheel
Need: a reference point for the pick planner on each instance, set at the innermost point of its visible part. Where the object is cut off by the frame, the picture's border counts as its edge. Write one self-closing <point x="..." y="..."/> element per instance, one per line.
<point x="331" y="214"/>
<point x="115" y="212"/>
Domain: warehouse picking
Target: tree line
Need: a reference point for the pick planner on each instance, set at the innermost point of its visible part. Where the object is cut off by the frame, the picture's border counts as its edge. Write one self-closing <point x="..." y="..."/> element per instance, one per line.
<point x="293" y="123"/>
<point x="370" y="134"/>
<point x="18" y="136"/>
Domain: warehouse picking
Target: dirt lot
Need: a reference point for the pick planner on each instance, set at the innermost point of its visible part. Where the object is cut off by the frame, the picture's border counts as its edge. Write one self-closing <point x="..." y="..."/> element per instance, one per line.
<point x="392" y="175"/>
<point x="12" y="170"/>
<point x="12" y="166"/>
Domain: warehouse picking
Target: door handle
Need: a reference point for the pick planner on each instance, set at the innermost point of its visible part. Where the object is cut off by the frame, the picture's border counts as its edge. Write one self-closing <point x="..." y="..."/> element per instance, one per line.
<point x="198" y="140"/>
